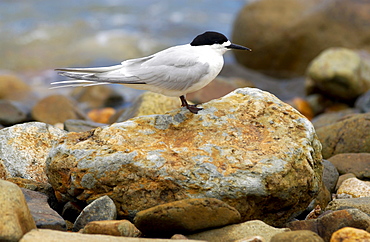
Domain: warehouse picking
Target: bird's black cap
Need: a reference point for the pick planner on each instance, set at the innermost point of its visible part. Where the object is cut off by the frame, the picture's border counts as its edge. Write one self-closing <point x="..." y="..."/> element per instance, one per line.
<point x="209" y="38"/>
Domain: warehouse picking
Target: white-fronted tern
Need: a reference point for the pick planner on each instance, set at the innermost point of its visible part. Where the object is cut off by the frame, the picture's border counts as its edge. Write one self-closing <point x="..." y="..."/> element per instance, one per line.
<point x="175" y="71"/>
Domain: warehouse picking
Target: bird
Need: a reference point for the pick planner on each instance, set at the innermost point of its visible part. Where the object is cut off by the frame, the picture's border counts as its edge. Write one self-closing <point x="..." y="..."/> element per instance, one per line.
<point x="173" y="72"/>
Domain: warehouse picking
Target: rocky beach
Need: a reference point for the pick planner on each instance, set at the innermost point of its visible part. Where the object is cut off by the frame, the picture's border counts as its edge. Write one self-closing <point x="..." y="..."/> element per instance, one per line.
<point x="280" y="151"/>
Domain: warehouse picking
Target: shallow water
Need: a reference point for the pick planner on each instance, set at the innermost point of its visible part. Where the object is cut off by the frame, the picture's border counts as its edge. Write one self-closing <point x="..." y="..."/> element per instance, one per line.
<point x="43" y="34"/>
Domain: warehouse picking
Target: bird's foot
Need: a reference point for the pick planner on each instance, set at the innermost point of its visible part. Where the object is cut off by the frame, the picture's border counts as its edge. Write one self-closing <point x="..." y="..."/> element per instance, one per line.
<point x="193" y="108"/>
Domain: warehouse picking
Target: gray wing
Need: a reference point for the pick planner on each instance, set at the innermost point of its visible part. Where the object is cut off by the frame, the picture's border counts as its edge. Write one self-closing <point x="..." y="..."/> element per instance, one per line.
<point x="172" y="69"/>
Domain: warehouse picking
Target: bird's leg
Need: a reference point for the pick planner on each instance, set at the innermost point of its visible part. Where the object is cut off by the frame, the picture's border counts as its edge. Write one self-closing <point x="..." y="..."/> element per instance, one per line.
<point x="192" y="108"/>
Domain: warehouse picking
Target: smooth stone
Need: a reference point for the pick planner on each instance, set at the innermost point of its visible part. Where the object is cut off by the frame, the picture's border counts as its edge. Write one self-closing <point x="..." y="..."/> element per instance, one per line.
<point x="355" y="163"/>
<point x="330" y="222"/>
<point x="102" y="208"/>
<point x="339" y="73"/>
<point x="330" y="175"/>
<point x="329" y="118"/>
<point x="239" y="231"/>
<point x="244" y="149"/>
<point x="12" y="112"/>
<point x="342" y="178"/>
<point x="361" y="203"/>
<point x="47" y="235"/>
<point x="185" y="216"/>
<point x="345" y="136"/>
<point x="15" y="217"/>
<point x="353" y="187"/>
<point x="297" y="236"/>
<point x="112" y="227"/>
<point x="12" y="87"/>
<point x="43" y="215"/>
<point x="56" y="109"/>
<point x="349" y="234"/>
<point x="24" y="149"/>
<point x="78" y="125"/>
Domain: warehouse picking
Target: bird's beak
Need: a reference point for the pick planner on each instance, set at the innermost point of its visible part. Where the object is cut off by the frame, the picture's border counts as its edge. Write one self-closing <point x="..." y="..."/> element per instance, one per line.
<point x="237" y="47"/>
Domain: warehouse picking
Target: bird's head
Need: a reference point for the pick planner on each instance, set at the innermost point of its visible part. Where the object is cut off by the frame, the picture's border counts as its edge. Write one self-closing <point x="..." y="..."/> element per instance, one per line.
<point x="217" y="41"/>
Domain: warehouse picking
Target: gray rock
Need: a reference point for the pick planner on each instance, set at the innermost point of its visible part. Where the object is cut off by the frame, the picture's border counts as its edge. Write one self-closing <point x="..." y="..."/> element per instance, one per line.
<point x="361" y="203"/>
<point x="24" y="148"/>
<point x="43" y="215"/>
<point x="185" y="216"/>
<point x="12" y="112"/>
<point x="330" y="175"/>
<point x="78" y="125"/>
<point x="15" y="217"/>
<point x="363" y="102"/>
<point x="239" y="231"/>
<point x="102" y="208"/>
<point x="248" y="149"/>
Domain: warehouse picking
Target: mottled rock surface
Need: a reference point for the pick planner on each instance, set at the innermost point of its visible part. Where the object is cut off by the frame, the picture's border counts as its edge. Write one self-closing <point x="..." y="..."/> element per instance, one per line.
<point x="349" y="234"/>
<point x="24" y="148"/>
<point x="353" y="187"/>
<point x="248" y="149"/>
<point x="185" y="216"/>
<point x="15" y="217"/>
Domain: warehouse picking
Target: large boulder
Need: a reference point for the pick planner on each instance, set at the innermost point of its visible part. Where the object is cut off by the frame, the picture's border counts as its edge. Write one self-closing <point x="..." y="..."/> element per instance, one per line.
<point x="248" y="149"/>
<point x="286" y="35"/>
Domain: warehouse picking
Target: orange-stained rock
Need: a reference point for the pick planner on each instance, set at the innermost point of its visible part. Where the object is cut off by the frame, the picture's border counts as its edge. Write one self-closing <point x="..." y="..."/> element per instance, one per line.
<point x="101" y="115"/>
<point x="302" y="106"/>
<point x="248" y="149"/>
<point x="349" y="234"/>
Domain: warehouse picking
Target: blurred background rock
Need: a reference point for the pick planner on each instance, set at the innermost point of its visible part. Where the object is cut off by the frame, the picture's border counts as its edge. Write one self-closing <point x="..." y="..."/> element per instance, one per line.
<point x="311" y="54"/>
